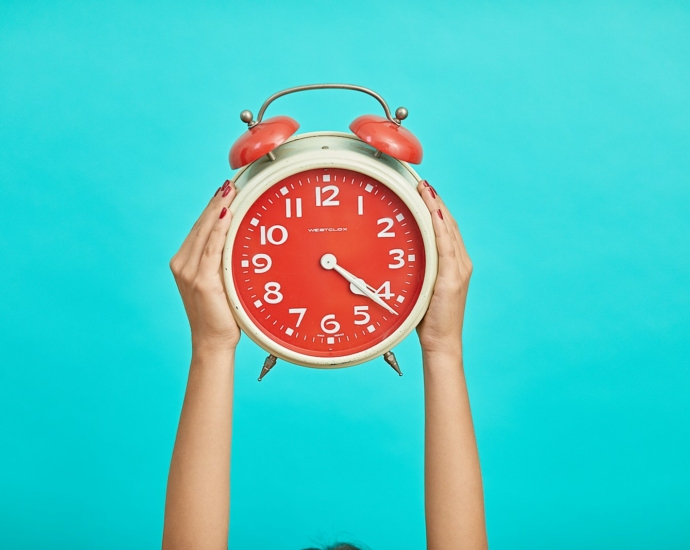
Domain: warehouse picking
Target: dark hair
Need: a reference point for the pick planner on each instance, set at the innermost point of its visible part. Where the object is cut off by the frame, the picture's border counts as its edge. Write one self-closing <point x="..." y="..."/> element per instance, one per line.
<point x="337" y="546"/>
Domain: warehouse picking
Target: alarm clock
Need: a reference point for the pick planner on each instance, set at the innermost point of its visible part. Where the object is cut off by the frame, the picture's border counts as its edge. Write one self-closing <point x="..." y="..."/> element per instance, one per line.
<point x="330" y="258"/>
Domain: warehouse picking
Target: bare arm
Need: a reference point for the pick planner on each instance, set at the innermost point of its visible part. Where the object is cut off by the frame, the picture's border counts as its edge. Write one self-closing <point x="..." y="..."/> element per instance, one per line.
<point x="454" y="498"/>
<point x="197" y="507"/>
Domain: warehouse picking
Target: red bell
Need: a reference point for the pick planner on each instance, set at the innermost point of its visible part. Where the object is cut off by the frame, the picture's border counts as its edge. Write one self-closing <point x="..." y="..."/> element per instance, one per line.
<point x="261" y="139"/>
<point x="388" y="137"/>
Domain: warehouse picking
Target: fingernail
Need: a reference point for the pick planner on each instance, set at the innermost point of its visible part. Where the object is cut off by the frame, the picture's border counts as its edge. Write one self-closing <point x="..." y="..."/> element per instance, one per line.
<point x="227" y="190"/>
<point x="425" y="183"/>
<point x="227" y="182"/>
<point x="440" y="214"/>
<point x="222" y="213"/>
<point x="433" y="193"/>
<point x="434" y="190"/>
<point x="214" y="194"/>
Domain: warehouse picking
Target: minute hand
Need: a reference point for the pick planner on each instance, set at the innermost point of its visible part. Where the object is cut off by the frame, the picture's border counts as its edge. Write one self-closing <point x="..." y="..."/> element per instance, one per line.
<point x="329" y="262"/>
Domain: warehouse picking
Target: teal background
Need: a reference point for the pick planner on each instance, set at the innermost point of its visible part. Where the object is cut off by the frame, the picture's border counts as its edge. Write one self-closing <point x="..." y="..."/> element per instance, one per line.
<point x="559" y="135"/>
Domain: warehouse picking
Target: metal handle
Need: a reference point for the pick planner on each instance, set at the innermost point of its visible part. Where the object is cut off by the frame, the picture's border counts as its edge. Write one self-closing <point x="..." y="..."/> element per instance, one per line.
<point x="400" y="113"/>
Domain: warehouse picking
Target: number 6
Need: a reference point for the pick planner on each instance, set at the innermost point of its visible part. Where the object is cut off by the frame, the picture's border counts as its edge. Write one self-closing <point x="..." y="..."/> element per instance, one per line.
<point x="329" y="325"/>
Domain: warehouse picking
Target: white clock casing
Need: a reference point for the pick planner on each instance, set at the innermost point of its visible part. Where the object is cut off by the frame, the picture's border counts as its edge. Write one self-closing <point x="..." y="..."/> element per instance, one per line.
<point x="330" y="150"/>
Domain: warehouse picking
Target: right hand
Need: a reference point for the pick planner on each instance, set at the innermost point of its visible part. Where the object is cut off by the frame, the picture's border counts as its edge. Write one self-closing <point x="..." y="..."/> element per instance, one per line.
<point x="198" y="273"/>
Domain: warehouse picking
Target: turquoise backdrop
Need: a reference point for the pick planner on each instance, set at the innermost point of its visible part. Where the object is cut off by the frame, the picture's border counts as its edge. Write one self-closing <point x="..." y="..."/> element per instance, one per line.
<point x="557" y="132"/>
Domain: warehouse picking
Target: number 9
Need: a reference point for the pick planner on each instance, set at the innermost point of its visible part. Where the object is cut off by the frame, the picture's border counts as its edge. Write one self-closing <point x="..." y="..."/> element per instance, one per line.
<point x="262" y="263"/>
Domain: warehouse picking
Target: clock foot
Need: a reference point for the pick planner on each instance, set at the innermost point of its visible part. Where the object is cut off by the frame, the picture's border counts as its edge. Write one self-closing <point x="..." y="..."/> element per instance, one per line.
<point x="269" y="363"/>
<point x="392" y="361"/>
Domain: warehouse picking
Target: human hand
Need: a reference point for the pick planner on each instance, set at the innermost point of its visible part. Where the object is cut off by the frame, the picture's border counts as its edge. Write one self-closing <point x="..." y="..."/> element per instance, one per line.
<point x="197" y="270"/>
<point x="441" y="328"/>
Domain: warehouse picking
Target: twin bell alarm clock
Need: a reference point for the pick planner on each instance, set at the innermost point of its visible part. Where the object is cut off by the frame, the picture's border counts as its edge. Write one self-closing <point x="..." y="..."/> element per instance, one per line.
<point x="330" y="259"/>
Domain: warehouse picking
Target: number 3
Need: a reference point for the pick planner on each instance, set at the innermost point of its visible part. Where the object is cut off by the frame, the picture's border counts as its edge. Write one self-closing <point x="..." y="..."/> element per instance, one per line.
<point x="399" y="255"/>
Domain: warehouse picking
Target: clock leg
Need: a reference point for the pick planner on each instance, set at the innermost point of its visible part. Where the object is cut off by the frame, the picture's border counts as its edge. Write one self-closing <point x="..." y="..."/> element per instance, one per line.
<point x="392" y="361"/>
<point x="269" y="363"/>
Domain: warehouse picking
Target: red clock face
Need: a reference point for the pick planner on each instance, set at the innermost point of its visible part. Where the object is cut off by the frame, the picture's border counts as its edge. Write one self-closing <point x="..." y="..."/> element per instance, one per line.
<point x="328" y="262"/>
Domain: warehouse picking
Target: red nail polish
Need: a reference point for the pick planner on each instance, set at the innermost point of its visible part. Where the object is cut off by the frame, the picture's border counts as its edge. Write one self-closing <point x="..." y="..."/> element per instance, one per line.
<point x="214" y="194"/>
<point x="222" y="213"/>
<point x="440" y="214"/>
<point x="425" y="183"/>
<point x="227" y="182"/>
<point x="433" y="193"/>
<point x="227" y="190"/>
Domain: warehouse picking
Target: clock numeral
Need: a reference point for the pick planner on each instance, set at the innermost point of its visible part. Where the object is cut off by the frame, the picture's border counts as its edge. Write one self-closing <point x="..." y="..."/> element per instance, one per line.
<point x="399" y="258"/>
<point x="269" y="234"/>
<point x="386" y="231"/>
<point x="360" y="205"/>
<point x="262" y="263"/>
<point x="327" y="201"/>
<point x="299" y="311"/>
<point x="273" y="294"/>
<point x="362" y="310"/>
<point x="384" y="291"/>
<point x="298" y="208"/>
<point x="329" y="325"/>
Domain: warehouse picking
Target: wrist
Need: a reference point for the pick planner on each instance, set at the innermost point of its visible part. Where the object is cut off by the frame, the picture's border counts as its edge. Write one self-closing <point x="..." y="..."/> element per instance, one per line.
<point x="443" y="358"/>
<point x="448" y="354"/>
<point x="438" y="347"/>
<point x="204" y="351"/>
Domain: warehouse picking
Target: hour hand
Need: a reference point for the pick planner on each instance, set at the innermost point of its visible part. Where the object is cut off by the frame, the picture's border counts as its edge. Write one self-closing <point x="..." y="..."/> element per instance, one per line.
<point x="329" y="261"/>
<point x="356" y="290"/>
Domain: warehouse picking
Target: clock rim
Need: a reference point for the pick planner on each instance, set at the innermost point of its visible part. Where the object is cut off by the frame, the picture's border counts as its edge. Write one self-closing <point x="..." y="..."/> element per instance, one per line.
<point x="307" y="157"/>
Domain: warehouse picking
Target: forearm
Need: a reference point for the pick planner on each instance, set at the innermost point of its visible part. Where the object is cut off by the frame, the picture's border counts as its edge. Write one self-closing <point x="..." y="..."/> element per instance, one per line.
<point x="453" y="483"/>
<point x="197" y="505"/>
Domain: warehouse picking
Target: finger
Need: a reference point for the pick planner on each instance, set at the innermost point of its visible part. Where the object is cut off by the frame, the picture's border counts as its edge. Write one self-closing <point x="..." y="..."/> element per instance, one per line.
<point x="210" y="261"/>
<point x="183" y="252"/>
<point x="444" y="238"/>
<point x="197" y="246"/>
<point x="460" y="250"/>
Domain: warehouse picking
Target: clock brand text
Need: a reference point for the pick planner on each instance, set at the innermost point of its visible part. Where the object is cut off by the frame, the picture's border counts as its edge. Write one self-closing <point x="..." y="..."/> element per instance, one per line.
<point x="329" y="229"/>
